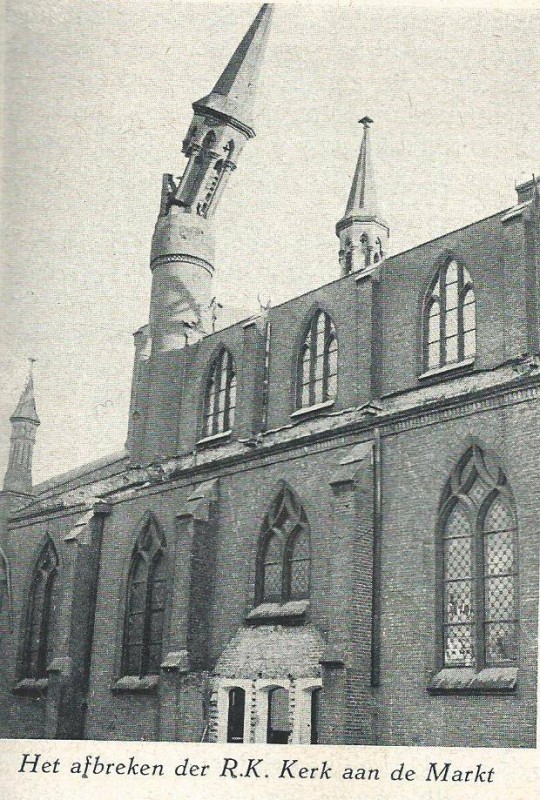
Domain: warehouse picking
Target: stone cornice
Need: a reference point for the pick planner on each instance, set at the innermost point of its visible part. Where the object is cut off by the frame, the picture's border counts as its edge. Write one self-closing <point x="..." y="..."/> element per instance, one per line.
<point x="391" y="417"/>
<point x="185" y="258"/>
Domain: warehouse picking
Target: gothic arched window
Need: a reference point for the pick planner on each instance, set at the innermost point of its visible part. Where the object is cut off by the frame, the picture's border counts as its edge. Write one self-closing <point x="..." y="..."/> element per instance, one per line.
<point x="146" y="599"/>
<point x="285" y="551"/>
<point x="449" y="318"/>
<point x="479" y="538"/>
<point x="220" y="395"/>
<point x="37" y="651"/>
<point x="318" y="363"/>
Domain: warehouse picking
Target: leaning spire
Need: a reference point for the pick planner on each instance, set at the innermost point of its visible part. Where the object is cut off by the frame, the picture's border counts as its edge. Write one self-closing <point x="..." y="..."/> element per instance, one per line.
<point x="182" y="256"/>
<point x="234" y="92"/>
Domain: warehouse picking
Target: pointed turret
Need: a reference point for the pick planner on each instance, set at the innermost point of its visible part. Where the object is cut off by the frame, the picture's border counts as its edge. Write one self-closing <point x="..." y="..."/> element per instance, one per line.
<point x="26" y="407"/>
<point x="363" y="233"/>
<point x="24" y="422"/>
<point x="182" y="258"/>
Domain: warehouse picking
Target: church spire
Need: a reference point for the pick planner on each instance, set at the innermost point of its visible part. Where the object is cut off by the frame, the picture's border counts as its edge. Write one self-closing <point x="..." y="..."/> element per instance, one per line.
<point x="24" y="422"/>
<point x="363" y="194"/>
<point x="182" y="257"/>
<point x="234" y="93"/>
<point x="362" y="232"/>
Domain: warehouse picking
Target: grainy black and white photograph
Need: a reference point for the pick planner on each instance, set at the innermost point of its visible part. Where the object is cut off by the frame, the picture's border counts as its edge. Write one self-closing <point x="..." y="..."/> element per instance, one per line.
<point x="270" y="423"/>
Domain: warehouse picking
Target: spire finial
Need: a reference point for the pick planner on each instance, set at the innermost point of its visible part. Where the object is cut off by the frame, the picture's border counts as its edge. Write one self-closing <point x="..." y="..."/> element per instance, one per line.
<point x="366" y="122"/>
<point x="31" y="361"/>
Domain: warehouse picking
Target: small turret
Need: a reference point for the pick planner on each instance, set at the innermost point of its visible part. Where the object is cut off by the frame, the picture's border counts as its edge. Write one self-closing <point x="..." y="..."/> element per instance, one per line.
<point x="363" y="233"/>
<point x="24" y="422"/>
<point x="182" y="258"/>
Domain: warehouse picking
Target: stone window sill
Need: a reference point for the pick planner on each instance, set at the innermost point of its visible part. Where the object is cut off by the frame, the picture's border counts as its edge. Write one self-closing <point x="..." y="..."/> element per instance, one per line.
<point x="305" y="412"/>
<point x="464" y="680"/>
<point x="448" y="369"/>
<point x="270" y="612"/>
<point x="31" y="686"/>
<point x="216" y="438"/>
<point x="132" y="684"/>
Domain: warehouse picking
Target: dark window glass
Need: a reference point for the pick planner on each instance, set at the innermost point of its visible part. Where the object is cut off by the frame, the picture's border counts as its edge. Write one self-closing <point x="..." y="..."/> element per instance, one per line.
<point x="279" y="726"/>
<point x="38" y="635"/>
<point x="146" y="601"/>
<point x="449" y="318"/>
<point x="237" y="710"/>
<point x="220" y="397"/>
<point x="285" y="551"/>
<point x="315" y="711"/>
<point x="318" y="363"/>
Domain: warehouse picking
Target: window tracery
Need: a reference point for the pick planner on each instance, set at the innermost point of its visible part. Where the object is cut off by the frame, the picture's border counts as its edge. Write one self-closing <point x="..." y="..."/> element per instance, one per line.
<point x="285" y="552"/>
<point x="146" y="600"/>
<point x="220" y="395"/>
<point x="37" y="651"/>
<point x="479" y="533"/>
<point x="318" y="363"/>
<point x="449" y="317"/>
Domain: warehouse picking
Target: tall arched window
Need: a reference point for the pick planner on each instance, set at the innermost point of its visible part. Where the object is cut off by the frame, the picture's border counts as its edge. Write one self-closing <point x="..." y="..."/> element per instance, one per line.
<point x="146" y="599"/>
<point x="479" y="539"/>
<point x="284" y="552"/>
<point x="220" y="395"/>
<point x="449" y="317"/>
<point x="318" y="362"/>
<point x="37" y="652"/>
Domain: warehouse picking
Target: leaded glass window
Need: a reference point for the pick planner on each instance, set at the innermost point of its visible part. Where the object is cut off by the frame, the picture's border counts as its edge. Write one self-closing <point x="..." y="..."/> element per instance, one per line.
<point x="318" y="363"/>
<point x="146" y="601"/>
<point x="220" y="396"/>
<point x="479" y="532"/>
<point x="285" y="551"/>
<point x="449" y="317"/>
<point x="38" y="634"/>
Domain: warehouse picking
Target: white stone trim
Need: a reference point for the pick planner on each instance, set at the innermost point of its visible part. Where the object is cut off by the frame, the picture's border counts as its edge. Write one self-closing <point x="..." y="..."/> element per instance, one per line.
<point x="216" y="437"/>
<point x="303" y="689"/>
<point x="300" y="412"/>
<point x="299" y="707"/>
<point x="223" y="688"/>
<point x="454" y="366"/>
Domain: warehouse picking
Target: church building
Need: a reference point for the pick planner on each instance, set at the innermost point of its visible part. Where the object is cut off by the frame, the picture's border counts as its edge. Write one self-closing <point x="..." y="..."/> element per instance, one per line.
<point x="324" y="527"/>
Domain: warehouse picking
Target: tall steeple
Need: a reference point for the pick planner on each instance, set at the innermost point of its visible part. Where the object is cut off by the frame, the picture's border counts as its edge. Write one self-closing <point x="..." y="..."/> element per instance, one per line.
<point x="24" y="422"/>
<point x="182" y="257"/>
<point x="363" y="234"/>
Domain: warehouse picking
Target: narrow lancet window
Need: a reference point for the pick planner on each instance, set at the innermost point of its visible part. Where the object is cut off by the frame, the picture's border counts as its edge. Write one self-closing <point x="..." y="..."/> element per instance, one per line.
<point x="284" y="552"/>
<point x="449" y="318"/>
<point x="220" y="396"/>
<point x="318" y="363"/>
<point x="38" y="635"/>
<point x="146" y="600"/>
<point x="479" y="533"/>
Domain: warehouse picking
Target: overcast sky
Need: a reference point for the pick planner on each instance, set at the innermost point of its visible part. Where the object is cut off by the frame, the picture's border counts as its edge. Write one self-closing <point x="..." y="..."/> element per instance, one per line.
<point x="98" y="100"/>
